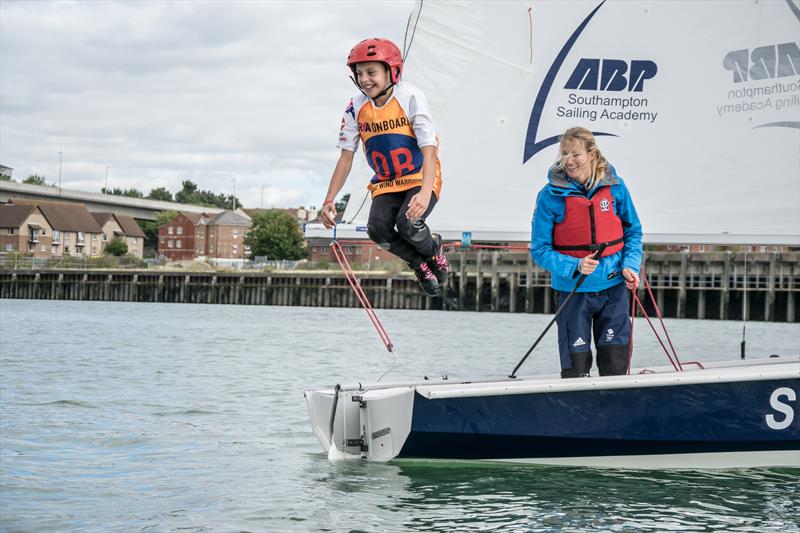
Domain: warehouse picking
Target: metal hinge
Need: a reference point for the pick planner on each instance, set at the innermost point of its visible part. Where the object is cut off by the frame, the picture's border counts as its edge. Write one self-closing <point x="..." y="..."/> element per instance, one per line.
<point x="357" y="442"/>
<point x="361" y="402"/>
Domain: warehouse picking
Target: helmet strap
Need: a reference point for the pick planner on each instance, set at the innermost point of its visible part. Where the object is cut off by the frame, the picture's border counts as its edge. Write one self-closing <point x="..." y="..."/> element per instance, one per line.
<point x="386" y="90"/>
<point x="357" y="85"/>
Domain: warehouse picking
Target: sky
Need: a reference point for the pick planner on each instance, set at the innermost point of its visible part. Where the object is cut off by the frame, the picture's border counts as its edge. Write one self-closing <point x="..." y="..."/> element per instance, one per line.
<point x="226" y="94"/>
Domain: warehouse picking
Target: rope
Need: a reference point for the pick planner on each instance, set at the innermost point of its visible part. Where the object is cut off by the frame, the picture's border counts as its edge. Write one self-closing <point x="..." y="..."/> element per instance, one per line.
<point x="362" y="297"/>
<point x="660" y="317"/>
<point x="636" y="303"/>
<point x="658" y="337"/>
<point x="630" y="343"/>
<point x="530" y="32"/>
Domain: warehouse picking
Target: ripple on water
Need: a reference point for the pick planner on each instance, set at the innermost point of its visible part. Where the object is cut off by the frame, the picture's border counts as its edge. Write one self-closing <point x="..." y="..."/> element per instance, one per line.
<point x="194" y="418"/>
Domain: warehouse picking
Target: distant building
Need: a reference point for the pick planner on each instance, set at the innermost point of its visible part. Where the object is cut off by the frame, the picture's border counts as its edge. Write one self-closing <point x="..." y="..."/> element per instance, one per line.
<point x="74" y="229"/>
<point x="357" y="252"/>
<point x="301" y="214"/>
<point x="225" y="233"/>
<point x="122" y="227"/>
<point x="190" y="236"/>
<point x="25" y="229"/>
<point x="6" y="171"/>
<point x="183" y="238"/>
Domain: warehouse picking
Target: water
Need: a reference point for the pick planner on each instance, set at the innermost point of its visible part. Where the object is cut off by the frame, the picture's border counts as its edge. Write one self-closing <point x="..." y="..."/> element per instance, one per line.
<point x="165" y="417"/>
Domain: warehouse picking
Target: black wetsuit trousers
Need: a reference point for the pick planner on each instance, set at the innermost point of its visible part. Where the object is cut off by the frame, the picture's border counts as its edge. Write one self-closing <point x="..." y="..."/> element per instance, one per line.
<point x="410" y="240"/>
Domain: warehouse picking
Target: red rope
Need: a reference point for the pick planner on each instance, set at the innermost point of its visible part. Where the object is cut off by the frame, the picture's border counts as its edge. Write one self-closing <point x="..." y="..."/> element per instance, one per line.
<point x="641" y="308"/>
<point x="362" y="297"/>
<point x="630" y="342"/>
<point x="660" y="318"/>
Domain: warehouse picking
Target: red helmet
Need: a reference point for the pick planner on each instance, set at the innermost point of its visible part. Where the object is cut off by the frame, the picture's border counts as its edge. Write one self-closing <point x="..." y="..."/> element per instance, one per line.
<point x="376" y="49"/>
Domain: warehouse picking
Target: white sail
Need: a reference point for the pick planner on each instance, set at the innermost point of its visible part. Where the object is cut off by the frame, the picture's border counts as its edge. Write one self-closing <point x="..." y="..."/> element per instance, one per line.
<point x="697" y="104"/>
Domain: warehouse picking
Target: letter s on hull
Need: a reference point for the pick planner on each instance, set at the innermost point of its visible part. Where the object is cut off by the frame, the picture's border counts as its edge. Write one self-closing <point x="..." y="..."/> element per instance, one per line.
<point x="787" y="410"/>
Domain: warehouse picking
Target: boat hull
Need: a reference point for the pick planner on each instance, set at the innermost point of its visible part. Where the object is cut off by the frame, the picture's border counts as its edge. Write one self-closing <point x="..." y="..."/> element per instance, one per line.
<point x="565" y="426"/>
<point x="740" y="415"/>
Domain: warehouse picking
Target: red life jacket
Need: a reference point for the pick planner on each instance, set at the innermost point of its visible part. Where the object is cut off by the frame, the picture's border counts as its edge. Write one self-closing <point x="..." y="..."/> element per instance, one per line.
<point x="587" y="224"/>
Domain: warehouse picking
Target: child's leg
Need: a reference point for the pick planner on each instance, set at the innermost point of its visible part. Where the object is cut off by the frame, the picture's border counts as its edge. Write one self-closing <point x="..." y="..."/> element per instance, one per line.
<point x="385" y="210"/>
<point x="416" y="232"/>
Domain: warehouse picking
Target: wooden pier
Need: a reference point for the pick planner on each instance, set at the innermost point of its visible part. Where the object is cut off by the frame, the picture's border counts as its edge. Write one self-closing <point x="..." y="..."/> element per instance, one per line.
<point x="717" y="285"/>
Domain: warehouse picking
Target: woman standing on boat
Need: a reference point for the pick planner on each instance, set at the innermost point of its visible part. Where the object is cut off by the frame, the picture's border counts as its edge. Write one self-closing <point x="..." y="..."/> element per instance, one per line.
<point x="585" y="208"/>
<point x="392" y="119"/>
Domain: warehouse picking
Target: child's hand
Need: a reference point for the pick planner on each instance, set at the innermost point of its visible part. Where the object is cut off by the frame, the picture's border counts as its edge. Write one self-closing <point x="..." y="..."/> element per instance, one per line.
<point x="329" y="215"/>
<point x="418" y="205"/>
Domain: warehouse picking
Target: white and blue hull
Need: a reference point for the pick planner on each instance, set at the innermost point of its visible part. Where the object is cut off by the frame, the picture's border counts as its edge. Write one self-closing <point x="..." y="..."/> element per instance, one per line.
<point x="742" y="414"/>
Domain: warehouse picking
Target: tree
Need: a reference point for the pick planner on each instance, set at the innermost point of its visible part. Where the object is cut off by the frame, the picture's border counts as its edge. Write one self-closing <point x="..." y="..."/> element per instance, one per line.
<point x="3" y="177"/>
<point x="35" y="179"/>
<point x="116" y="247"/>
<point x="276" y="235"/>
<point x="160" y="193"/>
<point x="342" y="203"/>
<point x="190" y="194"/>
<point x="116" y="191"/>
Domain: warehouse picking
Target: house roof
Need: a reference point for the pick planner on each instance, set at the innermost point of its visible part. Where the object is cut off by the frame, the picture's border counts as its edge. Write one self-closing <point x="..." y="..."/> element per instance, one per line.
<point x="129" y="226"/>
<point x="13" y="216"/>
<point x="194" y="217"/>
<point x="229" y="218"/>
<point x="102" y="217"/>
<point x="64" y="216"/>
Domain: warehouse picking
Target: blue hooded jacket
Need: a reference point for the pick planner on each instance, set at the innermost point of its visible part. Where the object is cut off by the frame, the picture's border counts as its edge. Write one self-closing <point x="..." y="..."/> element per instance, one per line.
<point x="550" y="204"/>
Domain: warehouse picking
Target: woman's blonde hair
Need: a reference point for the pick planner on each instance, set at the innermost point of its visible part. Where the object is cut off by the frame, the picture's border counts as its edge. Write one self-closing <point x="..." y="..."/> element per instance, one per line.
<point x="590" y="145"/>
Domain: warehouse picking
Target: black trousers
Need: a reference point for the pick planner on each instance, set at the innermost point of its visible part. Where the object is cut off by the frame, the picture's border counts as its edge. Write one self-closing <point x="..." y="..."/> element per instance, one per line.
<point x="410" y="240"/>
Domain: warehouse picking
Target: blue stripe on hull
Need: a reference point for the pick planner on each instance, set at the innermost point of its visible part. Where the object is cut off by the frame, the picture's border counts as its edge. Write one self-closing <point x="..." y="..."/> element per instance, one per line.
<point x="699" y="418"/>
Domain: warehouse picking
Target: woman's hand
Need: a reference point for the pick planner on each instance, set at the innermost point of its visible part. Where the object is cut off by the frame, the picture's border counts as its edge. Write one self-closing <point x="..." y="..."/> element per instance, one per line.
<point x="588" y="264"/>
<point x="418" y="205"/>
<point x="329" y="215"/>
<point x="631" y="278"/>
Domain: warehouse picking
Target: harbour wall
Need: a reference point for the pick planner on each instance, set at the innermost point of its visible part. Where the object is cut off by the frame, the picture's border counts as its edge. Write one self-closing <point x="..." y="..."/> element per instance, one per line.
<point x="716" y="285"/>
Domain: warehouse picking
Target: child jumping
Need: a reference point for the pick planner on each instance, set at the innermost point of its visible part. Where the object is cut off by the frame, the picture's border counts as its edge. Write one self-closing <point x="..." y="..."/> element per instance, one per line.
<point x="392" y="119"/>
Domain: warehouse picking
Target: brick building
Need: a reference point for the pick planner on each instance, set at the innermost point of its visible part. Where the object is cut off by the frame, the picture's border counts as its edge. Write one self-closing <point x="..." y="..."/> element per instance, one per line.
<point x="183" y="238"/>
<point x="190" y="236"/>
<point x="25" y="229"/>
<point x="225" y="233"/>
<point x="122" y="227"/>
<point x="74" y="229"/>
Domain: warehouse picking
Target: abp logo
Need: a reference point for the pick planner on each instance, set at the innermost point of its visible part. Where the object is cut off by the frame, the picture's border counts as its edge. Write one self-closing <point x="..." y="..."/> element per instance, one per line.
<point x="764" y="62"/>
<point x="611" y="75"/>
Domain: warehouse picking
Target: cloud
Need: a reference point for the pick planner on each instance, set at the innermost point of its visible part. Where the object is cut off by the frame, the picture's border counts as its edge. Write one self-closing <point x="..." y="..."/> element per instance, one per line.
<point x="167" y="91"/>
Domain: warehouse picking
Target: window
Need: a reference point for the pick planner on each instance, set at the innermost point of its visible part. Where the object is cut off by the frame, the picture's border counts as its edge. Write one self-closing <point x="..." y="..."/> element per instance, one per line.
<point x="81" y="237"/>
<point x="94" y="236"/>
<point x="56" y="236"/>
<point x="54" y="250"/>
<point x="34" y="237"/>
<point x="31" y="247"/>
<point x="44" y="248"/>
<point x="105" y="236"/>
<point x="179" y="230"/>
<point x="161" y="238"/>
<point x="178" y="243"/>
<point x="169" y="243"/>
<point x="10" y="231"/>
<point x="9" y="247"/>
<point x="235" y="233"/>
<point x="170" y="230"/>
